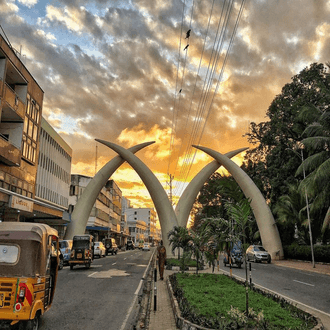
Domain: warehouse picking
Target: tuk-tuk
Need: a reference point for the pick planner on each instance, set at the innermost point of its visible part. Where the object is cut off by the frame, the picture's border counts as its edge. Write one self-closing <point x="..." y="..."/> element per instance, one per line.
<point x="28" y="272"/>
<point x="82" y="252"/>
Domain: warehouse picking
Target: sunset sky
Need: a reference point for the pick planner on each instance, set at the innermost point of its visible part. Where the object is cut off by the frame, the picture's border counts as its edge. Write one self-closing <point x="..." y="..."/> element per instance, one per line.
<point x="113" y="70"/>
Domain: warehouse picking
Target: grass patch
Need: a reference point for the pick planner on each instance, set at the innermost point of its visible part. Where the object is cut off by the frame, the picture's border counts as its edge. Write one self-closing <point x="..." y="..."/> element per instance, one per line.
<point x="217" y="301"/>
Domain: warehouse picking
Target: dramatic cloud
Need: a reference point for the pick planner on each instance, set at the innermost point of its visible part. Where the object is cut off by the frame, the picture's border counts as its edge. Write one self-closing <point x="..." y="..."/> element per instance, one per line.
<point x="118" y="71"/>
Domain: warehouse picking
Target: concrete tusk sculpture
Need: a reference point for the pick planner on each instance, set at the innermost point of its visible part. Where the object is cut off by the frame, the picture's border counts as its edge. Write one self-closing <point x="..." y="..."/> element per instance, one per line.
<point x="167" y="217"/>
<point x="267" y="227"/>
<point x="82" y="210"/>
<point x="162" y="204"/>
<point x="188" y="197"/>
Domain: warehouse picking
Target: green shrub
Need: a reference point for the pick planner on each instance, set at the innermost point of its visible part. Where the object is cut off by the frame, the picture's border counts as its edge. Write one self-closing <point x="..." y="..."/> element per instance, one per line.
<point x="303" y="252"/>
<point x="170" y="262"/>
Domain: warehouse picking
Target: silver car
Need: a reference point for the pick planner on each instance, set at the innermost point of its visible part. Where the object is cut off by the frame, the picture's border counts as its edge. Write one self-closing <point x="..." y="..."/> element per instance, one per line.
<point x="257" y="253"/>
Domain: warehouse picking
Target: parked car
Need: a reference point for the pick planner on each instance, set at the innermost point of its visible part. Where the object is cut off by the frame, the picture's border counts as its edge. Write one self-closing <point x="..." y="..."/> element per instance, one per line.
<point x="110" y="246"/>
<point x="235" y="254"/>
<point x="99" y="249"/>
<point x="66" y="247"/>
<point x="257" y="253"/>
<point x="146" y="247"/>
<point x="130" y="245"/>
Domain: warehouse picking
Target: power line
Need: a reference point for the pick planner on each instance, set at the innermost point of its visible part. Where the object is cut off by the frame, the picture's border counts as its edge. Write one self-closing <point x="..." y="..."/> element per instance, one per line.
<point x="188" y="162"/>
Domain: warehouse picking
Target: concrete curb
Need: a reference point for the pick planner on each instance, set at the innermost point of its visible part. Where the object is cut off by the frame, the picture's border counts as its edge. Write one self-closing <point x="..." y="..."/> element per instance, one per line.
<point x="184" y="324"/>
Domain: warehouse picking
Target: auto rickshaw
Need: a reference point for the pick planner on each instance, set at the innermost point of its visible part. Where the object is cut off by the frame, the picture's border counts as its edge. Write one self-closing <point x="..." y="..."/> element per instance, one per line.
<point x="28" y="272"/>
<point x="82" y="252"/>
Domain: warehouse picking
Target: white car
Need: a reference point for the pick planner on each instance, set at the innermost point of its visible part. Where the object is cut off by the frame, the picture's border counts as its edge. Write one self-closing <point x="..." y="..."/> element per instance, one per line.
<point x="146" y="247"/>
<point x="99" y="249"/>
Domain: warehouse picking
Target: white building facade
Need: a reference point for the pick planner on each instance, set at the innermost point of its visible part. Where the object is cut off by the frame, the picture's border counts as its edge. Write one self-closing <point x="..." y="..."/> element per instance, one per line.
<point x="149" y="217"/>
<point x="54" y="173"/>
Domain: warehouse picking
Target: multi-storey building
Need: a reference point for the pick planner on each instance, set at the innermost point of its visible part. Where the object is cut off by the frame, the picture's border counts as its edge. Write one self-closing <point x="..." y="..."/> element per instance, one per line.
<point x="21" y="100"/>
<point x="54" y="174"/>
<point x="149" y="216"/>
<point x="125" y="204"/>
<point x="138" y="231"/>
<point x="105" y="218"/>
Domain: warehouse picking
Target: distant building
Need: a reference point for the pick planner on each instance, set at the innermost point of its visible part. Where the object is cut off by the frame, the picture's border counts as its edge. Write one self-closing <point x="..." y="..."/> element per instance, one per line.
<point x="21" y="101"/>
<point x="54" y="174"/>
<point x="138" y="231"/>
<point x="125" y="204"/>
<point x="147" y="215"/>
<point x="105" y="218"/>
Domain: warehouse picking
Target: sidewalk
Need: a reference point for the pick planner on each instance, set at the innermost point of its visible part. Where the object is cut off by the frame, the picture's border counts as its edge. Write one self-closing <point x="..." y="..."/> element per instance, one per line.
<point x="163" y="317"/>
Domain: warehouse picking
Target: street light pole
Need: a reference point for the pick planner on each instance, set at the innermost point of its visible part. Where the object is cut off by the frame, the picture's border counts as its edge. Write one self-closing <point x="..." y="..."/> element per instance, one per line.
<point x="307" y="204"/>
<point x="308" y="217"/>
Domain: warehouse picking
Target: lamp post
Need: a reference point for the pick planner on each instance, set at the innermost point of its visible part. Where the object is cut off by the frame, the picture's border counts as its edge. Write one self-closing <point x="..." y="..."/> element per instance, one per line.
<point x="307" y="205"/>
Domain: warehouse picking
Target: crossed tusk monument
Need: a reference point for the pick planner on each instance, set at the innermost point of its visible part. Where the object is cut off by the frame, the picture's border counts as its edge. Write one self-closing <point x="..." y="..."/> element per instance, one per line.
<point x="168" y="217"/>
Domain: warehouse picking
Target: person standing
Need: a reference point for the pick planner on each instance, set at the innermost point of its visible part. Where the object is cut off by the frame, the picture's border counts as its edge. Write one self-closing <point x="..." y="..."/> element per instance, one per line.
<point x="161" y="256"/>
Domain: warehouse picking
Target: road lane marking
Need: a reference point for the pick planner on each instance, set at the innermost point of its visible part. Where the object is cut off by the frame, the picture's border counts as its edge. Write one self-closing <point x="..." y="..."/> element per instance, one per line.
<point x="303" y="283"/>
<point x="109" y="273"/>
<point x="125" y="258"/>
<point x="114" y="263"/>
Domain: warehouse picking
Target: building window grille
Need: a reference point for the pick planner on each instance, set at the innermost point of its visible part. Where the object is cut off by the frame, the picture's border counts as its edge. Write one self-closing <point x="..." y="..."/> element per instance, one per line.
<point x="30" y="131"/>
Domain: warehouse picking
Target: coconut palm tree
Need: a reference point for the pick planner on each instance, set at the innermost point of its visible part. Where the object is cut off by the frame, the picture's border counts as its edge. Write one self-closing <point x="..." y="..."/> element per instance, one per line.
<point x="180" y="238"/>
<point x="317" y="163"/>
<point x="197" y="245"/>
<point x="291" y="215"/>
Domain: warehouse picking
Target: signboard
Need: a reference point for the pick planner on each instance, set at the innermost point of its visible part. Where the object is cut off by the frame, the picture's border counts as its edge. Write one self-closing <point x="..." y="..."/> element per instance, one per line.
<point x="19" y="203"/>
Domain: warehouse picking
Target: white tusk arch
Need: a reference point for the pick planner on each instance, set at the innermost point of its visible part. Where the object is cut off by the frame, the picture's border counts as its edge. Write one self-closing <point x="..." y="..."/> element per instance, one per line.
<point x="187" y="199"/>
<point x="160" y="199"/>
<point x="82" y="210"/>
<point x="267" y="227"/>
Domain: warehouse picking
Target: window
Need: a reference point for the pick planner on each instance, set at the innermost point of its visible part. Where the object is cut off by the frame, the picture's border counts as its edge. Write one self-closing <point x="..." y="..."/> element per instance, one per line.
<point x="9" y="254"/>
<point x="31" y="128"/>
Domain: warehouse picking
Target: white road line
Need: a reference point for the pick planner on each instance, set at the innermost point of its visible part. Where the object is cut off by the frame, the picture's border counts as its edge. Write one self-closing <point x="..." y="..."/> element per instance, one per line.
<point x="92" y="274"/>
<point x="114" y="263"/>
<point x="303" y="283"/>
<point x="125" y="258"/>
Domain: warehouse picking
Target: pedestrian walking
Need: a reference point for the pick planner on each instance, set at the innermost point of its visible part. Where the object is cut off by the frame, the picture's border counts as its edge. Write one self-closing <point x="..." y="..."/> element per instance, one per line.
<point x="161" y="256"/>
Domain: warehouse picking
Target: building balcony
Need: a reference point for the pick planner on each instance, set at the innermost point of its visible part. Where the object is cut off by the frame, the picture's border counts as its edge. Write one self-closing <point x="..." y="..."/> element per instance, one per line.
<point x="9" y="154"/>
<point x="13" y="108"/>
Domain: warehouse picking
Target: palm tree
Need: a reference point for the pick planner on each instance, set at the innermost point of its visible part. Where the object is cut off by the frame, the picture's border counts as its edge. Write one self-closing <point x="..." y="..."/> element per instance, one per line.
<point x="179" y="237"/>
<point x="317" y="164"/>
<point x="198" y="242"/>
<point x="240" y="213"/>
<point x="291" y="214"/>
<point x="217" y="235"/>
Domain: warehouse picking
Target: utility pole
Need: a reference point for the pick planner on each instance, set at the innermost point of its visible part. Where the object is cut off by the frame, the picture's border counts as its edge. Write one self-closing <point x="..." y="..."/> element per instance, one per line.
<point x="95" y="161"/>
<point x="170" y="184"/>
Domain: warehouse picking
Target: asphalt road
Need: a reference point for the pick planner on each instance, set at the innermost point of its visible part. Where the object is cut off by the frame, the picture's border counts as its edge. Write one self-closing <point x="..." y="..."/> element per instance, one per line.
<point x="311" y="289"/>
<point x="97" y="298"/>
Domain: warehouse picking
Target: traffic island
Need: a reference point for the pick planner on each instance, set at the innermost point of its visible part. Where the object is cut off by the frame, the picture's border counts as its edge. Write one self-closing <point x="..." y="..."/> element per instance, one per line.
<point x="188" y="316"/>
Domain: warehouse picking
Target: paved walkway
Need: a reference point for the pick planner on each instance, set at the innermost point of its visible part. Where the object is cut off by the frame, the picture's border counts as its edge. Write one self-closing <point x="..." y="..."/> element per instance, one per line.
<point x="163" y="318"/>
